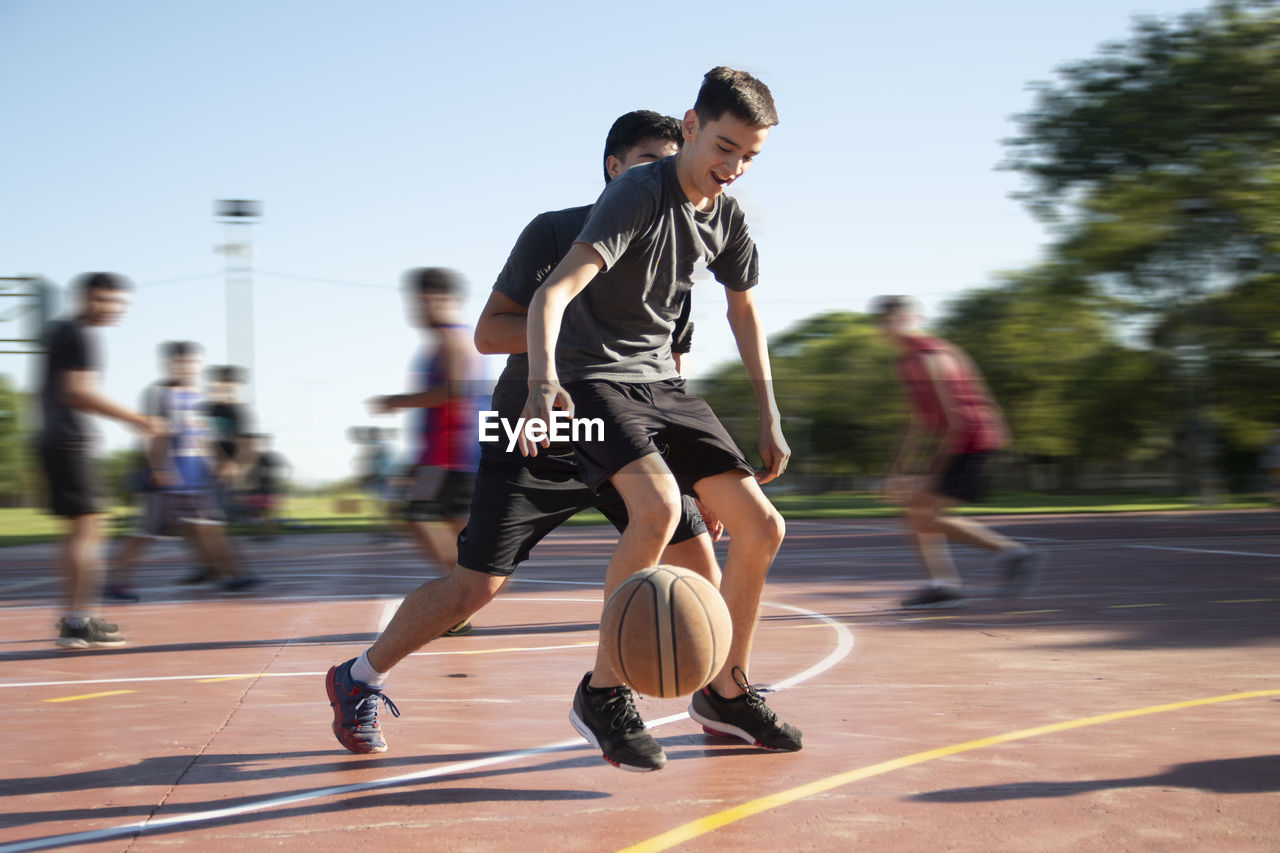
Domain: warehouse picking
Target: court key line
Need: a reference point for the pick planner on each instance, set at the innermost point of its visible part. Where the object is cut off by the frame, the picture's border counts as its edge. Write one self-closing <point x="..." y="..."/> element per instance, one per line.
<point x="844" y="645"/>
<point x="702" y="826"/>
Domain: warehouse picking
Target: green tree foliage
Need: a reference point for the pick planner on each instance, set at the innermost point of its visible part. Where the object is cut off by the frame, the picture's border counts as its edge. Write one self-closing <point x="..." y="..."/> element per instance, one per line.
<point x="837" y="392"/>
<point x="14" y="450"/>
<point x="1046" y="345"/>
<point x="1161" y="157"/>
<point x="1158" y="161"/>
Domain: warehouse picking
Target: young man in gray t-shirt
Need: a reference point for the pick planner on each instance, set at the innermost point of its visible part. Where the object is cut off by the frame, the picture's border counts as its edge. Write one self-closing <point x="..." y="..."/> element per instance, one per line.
<point x="602" y="323"/>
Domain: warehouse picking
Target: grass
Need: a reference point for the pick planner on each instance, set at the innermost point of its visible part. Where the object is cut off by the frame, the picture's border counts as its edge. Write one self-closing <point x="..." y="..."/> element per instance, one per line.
<point x="351" y="513"/>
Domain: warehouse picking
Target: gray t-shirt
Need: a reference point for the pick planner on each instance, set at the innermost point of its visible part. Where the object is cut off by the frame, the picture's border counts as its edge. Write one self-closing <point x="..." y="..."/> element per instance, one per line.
<point x="650" y="237"/>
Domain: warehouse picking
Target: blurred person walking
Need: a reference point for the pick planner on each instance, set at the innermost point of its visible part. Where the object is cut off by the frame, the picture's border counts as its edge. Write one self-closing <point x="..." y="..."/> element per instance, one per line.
<point x="69" y="393"/>
<point x="182" y="499"/>
<point x="956" y="427"/>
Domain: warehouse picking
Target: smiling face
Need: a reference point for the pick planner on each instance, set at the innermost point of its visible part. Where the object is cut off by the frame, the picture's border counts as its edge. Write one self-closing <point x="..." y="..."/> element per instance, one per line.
<point x="716" y="154"/>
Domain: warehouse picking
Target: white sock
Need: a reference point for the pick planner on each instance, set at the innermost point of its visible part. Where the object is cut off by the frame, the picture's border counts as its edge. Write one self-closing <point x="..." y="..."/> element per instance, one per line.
<point x="364" y="673"/>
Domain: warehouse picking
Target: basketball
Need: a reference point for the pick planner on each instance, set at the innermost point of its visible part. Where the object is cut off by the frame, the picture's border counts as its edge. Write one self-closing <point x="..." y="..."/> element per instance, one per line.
<point x="666" y="630"/>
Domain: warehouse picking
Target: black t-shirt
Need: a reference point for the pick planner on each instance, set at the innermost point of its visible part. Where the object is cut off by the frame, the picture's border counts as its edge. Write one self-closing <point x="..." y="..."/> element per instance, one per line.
<point x="68" y="346"/>
<point x="229" y="421"/>
<point x="541" y="246"/>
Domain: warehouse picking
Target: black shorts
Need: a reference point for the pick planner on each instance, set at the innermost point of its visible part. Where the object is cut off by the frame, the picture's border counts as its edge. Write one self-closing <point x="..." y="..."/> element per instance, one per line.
<point x="651" y="417"/>
<point x="438" y="494"/>
<point x="167" y="512"/>
<point x="965" y="477"/>
<point x="515" y="506"/>
<point x="74" y="487"/>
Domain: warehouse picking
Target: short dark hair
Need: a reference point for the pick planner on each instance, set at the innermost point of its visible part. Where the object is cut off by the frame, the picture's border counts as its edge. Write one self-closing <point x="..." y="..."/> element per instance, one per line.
<point x="435" y="280"/>
<point x="82" y="284"/>
<point x="226" y="373"/>
<point x="179" y="349"/>
<point x="883" y="307"/>
<point x="635" y="127"/>
<point x="725" y="90"/>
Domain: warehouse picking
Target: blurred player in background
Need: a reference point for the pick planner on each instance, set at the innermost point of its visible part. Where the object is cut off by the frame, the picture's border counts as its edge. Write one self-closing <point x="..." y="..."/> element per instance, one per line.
<point x="182" y="499"/>
<point x="69" y="393"/>
<point x="956" y="428"/>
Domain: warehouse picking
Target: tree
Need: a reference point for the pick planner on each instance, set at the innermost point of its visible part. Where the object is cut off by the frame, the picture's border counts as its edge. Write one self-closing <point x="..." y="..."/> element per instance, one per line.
<point x="837" y="393"/>
<point x="1158" y="162"/>
<point x="14" y="451"/>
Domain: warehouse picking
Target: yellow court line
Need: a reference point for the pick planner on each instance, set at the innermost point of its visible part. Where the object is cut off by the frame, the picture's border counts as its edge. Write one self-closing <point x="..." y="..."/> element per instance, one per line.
<point x="1244" y="600"/>
<point x="702" y="826"/>
<point x="1131" y="606"/>
<point x="89" y="696"/>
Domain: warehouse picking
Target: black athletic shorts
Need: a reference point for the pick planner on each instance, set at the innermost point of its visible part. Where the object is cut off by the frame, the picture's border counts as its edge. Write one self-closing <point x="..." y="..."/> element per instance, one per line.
<point x="74" y="487"/>
<point x="167" y="512"/>
<point x="438" y="494"/>
<point x="965" y="477"/>
<point x="515" y="506"/>
<point x="651" y="417"/>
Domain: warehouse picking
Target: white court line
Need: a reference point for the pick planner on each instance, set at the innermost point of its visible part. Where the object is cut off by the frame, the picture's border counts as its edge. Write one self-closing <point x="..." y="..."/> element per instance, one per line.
<point x="1203" y="551"/>
<point x="844" y="645"/>
<point x="388" y="610"/>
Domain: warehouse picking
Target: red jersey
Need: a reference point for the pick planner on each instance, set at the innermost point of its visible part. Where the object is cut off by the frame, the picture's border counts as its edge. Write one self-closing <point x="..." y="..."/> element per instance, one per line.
<point x="983" y="428"/>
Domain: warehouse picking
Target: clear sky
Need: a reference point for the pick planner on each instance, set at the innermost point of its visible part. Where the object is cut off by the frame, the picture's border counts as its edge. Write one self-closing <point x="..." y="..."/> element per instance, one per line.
<point x="382" y="136"/>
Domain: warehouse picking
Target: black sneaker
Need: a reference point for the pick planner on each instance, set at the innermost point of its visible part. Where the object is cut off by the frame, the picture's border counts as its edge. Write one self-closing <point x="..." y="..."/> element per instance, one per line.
<point x="932" y="598"/>
<point x="203" y="574"/>
<point x="355" y="710"/>
<point x="122" y="594"/>
<point x="240" y="583"/>
<point x="1021" y="571"/>
<point x="93" y="633"/>
<point x="609" y="721"/>
<point x="746" y="717"/>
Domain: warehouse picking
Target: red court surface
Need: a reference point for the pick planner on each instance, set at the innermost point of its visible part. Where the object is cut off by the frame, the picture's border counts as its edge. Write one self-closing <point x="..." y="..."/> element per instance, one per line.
<point x="1132" y="702"/>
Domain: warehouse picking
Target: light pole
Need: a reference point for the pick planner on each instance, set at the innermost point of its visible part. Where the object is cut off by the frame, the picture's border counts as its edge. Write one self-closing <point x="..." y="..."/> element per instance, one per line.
<point x="238" y="216"/>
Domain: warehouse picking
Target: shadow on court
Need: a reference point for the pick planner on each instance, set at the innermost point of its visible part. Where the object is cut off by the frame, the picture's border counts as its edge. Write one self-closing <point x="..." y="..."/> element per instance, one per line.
<point x="1254" y="775"/>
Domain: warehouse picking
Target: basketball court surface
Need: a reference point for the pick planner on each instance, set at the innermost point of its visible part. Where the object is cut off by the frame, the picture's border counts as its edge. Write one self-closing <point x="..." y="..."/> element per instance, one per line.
<point x="1132" y="702"/>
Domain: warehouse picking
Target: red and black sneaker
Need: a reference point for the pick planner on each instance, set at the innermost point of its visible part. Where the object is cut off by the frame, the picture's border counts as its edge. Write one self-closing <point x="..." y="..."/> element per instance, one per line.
<point x="746" y="717"/>
<point x="355" y="710"/>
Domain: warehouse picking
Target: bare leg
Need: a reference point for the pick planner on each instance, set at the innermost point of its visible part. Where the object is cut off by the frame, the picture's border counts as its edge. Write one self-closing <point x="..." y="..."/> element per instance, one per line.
<point x="438" y="541"/>
<point x="755" y="533"/>
<point x="649" y="490"/>
<point x="81" y="561"/>
<point x="696" y="554"/>
<point x="429" y="611"/>
<point x="131" y="551"/>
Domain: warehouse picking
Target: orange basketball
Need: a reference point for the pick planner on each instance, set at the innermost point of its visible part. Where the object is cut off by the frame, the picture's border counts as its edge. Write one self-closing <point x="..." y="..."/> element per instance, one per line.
<point x="666" y="630"/>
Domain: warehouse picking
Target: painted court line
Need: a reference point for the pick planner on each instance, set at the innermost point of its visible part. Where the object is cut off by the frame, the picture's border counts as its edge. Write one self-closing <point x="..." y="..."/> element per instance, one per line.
<point x="89" y="696"/>
<point x="844" y="645"/>
<point x="1203" y="551"/>
<point x="702" y="826"/>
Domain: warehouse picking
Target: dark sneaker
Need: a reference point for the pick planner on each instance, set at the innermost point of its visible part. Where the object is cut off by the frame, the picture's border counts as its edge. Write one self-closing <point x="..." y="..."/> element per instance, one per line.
<point x="203" y="574"/>
<point x="609" y="721"/>
<point x="932" y="598"/>
<point x="460" y="630"/>
<point x="122" y="594"/>
<point x="1021" y="571"/>
<point x="355" y="710"/>
<point x="746" y="717"/>
<point x="240" y="583"/>
<point x="92" y="634"/>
